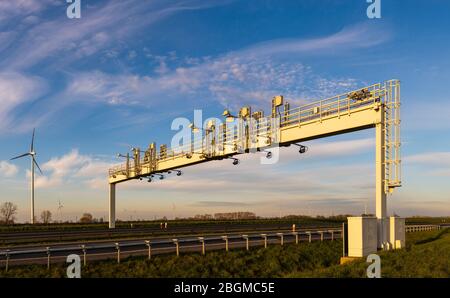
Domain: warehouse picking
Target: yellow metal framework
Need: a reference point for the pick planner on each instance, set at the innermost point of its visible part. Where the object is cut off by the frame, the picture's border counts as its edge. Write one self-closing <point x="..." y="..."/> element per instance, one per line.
<point x="376" y="106"/>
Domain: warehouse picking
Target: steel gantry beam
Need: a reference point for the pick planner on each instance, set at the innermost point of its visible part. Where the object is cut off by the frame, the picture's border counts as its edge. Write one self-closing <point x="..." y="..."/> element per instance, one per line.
<point x="376" y="106"/>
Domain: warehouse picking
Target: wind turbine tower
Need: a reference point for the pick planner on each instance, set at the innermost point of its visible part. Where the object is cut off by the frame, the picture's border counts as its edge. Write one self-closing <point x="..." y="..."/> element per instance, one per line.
<point x="60" y="206"/>
<point x="32" y="154"/>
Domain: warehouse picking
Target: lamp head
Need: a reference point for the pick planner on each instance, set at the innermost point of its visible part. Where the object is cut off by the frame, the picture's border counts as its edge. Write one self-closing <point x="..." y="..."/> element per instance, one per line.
<point x="302" y="149"/>
<point x="228" y="116"/>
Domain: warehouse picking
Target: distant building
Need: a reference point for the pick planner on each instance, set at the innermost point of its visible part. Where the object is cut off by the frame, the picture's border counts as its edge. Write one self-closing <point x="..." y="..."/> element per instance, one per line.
<point x="235" y="215"/>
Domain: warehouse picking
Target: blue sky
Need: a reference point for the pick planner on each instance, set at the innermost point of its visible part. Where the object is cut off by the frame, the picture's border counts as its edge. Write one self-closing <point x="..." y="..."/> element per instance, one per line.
<point x="123" y="72"/>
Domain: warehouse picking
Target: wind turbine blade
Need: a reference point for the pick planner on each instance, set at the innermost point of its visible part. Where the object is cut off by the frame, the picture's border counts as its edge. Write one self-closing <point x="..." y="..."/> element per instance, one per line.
<point x="23" y="155"/>
<point x="32" y="142"/>
<point x="34" y="160"/>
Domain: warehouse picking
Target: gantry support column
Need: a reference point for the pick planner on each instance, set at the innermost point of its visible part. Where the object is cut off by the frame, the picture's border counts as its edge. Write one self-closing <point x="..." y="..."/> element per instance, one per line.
<point x="112" y="205"/>
<point x="380" y="194"/>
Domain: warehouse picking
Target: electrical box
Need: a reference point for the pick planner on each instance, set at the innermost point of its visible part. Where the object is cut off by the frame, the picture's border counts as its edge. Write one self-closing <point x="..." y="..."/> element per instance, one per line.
<point x="245" y="112"/>
<point x="362" y="236"/>
<point x="163" y="151"/>
<point x="397" y="232"/>
<point x="278" y="100"/>
<point x="258" y="115"/>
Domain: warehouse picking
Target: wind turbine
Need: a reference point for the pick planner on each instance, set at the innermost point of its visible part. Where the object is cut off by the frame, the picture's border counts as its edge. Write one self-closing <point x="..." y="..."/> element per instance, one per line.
<point x="32" y="154"/>
<point x="60" y="206"/>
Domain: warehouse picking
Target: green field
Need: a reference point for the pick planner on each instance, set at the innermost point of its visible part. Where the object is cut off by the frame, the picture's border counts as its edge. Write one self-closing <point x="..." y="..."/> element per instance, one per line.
<point x="427" y="255"/>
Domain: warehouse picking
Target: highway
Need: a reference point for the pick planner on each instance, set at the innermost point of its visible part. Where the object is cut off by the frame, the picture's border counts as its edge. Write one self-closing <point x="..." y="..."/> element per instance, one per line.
<point x="33" y="237"/>
<point x="97" y="250"/>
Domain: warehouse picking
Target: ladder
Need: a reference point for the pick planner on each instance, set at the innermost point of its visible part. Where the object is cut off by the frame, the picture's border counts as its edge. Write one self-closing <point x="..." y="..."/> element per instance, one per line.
<point x="392" y="163"/>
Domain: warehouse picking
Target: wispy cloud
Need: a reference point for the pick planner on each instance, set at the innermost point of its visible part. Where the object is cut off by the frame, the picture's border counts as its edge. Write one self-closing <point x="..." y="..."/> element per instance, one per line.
<point x="229" y="80"/>
<point x="441" y="159"/>
<point x="15" y="90"/>
<point x="350" y="38"/>
<point x="7" y="169"/>
<point x="431" y="163"/>
<point x="410" y="204"/>
<point x="251" y="75"/>
<point x="22" y="8"/>
<point x="218" y="204"/>
<point x="55" y="43"/>
<point x="434" y="115"/>
<point x="72" y="168"/>
<point x="64" y="40"/>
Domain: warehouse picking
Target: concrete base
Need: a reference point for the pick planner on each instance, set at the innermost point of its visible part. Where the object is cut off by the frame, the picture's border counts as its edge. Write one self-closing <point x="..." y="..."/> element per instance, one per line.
<point x="397" y="232"/>
<point x="362" y="236"/>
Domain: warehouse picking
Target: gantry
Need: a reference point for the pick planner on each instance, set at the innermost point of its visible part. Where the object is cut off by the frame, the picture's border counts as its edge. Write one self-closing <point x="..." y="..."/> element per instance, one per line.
<point x="376" y="106"/>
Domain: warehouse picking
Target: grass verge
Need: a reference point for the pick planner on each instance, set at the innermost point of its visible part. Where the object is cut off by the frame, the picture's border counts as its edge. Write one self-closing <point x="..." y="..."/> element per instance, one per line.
<point x="427" y="254"/>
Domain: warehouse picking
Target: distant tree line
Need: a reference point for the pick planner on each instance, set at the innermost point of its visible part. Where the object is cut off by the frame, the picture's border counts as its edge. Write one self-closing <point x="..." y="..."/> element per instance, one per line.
<point x="8" y="212"/>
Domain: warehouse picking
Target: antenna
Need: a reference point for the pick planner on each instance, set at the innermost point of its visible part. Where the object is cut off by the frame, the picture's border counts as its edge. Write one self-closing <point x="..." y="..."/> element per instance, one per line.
<point x="32" y="154"/>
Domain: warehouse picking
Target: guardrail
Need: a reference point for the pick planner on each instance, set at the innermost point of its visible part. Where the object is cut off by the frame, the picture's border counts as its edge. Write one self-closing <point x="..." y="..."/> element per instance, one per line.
<point x="419" y="228"/>
<point x="17" y="238"/>
<point x="48" y="254"/>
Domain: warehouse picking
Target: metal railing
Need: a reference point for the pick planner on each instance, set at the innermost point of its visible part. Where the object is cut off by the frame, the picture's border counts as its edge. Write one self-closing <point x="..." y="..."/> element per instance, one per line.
<point x="419" y="228"/>
<point x="265" y="130"/>
<point x="48" y="254"/>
